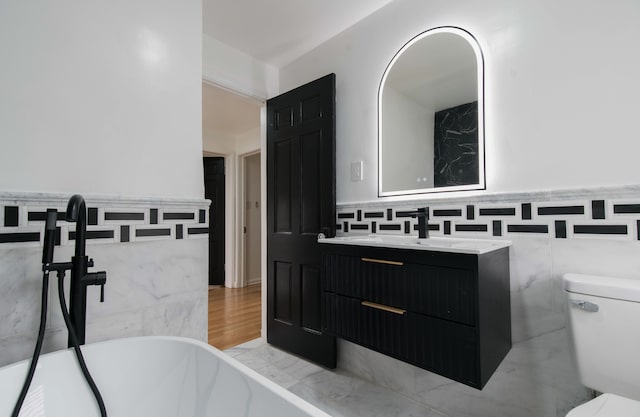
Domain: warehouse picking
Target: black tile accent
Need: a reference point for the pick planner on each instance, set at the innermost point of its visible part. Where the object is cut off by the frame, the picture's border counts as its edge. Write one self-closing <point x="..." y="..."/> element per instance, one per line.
<point x="471" y="227"/>
<point x="497" y="228"/>
<point x="561" y="229"/>
<point x="359" y="227"/>
<point x="179" y="231"/>
<point x="40" y="216"/>
<point x="19" y="237"/>
<point x="626" y="208"/>
<point x="124" y="234"/>
<point x="555" y="210"/>
<point x="404" y="213"/>
<point x="198" y="230"/>
<point x="346" y="216"/>
<point x="638" y="229"/>
<point x="447" y="213"/>
<point x="92" y="216"/>
<point x="447" y="227"/>
<point x="374" y="214"/>
<point x="338" y="227"/>
<point x="153" y="232"/>
<point x="58" y="236"/>
<point x="601" y="229"/>
<point x="178" y="216"/>
<point x="94" y="234"/>
<point x="526" y="211"/>
<point x="374" y="227"/>
<point x="123" y="216"/>
<point x="597" y="209"/>
<point x="11" y="218"/>
<point x="431" y="226"/>
<point x="359" y="215"/>
<point x="507" y="211"/>
<point x="407" y="227"/>
<point x="202" y="216"/>
<point x="389" y="214"/>
<point x="471" y="212"/>
<point x="153" y="216"/>
<point x="527" y="228"/>
<point x="346" y="227"/>
<point x="390" y="227"/>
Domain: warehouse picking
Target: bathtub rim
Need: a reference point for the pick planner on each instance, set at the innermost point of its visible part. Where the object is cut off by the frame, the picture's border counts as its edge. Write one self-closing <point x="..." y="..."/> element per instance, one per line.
<point x="272" y="386"/>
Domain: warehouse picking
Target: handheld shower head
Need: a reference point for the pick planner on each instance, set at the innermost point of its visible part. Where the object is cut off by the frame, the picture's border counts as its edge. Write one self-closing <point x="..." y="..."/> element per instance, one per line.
<point x="49" y="237"/>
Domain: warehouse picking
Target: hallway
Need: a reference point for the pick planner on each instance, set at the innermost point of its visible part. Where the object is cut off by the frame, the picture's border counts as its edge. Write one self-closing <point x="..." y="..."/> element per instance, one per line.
<point x="234" y="315"/>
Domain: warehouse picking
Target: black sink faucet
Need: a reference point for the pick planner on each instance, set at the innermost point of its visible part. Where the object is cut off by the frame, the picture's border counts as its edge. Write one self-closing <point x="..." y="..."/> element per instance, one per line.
<point x="423" y="221"/>
<point x="80" y="278"/>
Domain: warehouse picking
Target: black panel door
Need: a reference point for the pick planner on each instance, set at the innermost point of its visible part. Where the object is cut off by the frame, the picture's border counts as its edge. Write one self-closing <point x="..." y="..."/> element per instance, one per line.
<point x="300" y="204"/>
<point x="214" y="191"/>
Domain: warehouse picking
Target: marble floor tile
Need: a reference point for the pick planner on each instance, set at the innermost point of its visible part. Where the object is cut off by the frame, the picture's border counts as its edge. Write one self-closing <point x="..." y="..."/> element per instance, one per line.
<point x="537" y="378"/>
<point x="335" y="392"/>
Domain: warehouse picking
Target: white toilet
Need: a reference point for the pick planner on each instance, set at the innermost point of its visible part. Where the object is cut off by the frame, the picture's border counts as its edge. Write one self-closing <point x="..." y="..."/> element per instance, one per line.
<point x="604" y="325"/>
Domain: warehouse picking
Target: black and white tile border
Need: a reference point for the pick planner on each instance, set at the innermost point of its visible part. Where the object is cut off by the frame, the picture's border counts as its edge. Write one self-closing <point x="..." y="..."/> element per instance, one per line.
<point x="606" y="213"/>
<point x="109" y="219"/>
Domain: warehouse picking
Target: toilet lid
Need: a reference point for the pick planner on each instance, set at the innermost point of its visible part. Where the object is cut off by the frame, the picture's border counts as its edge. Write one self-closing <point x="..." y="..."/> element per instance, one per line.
<point x="607" y="405"/>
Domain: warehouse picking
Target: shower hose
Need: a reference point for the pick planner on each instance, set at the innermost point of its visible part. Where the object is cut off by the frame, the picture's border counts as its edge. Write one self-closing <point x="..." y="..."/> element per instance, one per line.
<point x="72" y="338"/>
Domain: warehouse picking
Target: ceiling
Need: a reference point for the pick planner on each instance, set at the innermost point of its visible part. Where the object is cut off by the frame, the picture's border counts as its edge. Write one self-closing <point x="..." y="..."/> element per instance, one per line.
<point x="279" y="31"/>
<point x="272" y="31"/>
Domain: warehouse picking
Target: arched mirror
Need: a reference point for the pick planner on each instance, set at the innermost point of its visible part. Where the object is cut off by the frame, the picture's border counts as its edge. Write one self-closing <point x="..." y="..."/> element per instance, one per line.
<point x="431" y="116"/>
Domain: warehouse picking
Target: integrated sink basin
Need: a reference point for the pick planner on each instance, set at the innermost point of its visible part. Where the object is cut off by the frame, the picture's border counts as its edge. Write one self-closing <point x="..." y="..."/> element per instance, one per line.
<point x="440" y="244"/>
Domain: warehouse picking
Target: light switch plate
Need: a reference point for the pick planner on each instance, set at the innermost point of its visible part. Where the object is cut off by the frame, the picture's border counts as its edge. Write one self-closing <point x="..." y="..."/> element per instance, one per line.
<point x="356" y="171"/>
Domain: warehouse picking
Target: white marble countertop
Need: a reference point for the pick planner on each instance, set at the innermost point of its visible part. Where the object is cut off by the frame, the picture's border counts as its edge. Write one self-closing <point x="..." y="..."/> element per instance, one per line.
<point x="438" y="244"/>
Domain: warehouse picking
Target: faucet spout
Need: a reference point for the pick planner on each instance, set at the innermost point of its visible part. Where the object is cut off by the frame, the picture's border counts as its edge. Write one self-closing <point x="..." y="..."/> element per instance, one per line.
<point x="77" y="213"/>
<point x="423" y="221"/>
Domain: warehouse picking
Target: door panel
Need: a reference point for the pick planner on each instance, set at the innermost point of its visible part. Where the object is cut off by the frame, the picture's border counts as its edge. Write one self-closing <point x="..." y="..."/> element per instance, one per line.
<point x="214" y="191"/>
<point x="311" y="181"/>
<point x="282" y="184"/>
<point x="311" y="308"/>
<point x="283" y="292"/>
<point x="300" y="204"/>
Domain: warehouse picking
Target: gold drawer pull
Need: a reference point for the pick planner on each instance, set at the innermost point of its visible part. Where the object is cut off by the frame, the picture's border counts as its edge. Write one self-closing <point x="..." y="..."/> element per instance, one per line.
<point x="383" y="307"/>
<point x="382" y="261"/>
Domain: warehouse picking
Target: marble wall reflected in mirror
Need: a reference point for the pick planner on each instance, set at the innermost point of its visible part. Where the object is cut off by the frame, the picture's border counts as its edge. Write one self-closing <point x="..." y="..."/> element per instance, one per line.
<point x="431" y="116"/>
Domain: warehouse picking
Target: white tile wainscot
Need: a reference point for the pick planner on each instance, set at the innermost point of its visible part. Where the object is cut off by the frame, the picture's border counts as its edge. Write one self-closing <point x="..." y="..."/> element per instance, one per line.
<point x="156" y="285"/>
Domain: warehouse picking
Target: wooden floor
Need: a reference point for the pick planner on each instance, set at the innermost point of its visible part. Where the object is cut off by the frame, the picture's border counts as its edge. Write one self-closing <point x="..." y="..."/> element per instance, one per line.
<point x="234" y="315"/>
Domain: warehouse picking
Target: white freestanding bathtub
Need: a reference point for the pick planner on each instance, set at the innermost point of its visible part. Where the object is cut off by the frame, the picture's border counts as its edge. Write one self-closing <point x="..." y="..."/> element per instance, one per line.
<point x="148" y="377"/>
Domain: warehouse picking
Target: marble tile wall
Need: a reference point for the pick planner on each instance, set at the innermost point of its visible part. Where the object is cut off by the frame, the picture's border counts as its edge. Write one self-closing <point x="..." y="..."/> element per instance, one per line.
<point x="586" y="231"/>
<point x="156" y="281"/>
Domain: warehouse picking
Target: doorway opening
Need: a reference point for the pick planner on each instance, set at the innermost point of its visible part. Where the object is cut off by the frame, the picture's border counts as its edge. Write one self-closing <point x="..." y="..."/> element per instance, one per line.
<point x="232" y="134"/>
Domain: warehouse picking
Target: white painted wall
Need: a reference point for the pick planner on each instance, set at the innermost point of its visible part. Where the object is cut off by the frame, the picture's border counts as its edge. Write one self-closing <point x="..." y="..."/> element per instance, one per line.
<point x="561" y="88"/>
<point x="229" y="67"/>
<point x="101" y="98"/>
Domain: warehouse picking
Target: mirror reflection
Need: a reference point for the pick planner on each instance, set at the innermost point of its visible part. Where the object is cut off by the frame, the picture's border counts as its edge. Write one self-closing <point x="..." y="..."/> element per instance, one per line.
<point x="431" y="133"/>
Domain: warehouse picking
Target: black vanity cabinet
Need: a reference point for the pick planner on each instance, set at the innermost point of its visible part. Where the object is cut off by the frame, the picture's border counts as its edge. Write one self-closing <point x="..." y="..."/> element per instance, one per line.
<point x="445" y="312"/>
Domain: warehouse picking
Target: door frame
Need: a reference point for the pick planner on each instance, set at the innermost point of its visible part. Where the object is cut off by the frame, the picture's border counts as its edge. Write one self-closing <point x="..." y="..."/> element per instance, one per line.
<point x="242" y="212"/>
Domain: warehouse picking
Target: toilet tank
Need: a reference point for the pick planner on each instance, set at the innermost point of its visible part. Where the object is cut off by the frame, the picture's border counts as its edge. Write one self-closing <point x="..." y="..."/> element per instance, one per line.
<point x="606" y="342"/>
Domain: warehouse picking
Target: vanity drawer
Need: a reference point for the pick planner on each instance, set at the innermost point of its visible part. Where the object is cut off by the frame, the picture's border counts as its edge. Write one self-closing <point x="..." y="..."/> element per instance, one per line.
<point x="443" y="292"/>
<point x="377" y="329"/>
<point x="446" y="348"/>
